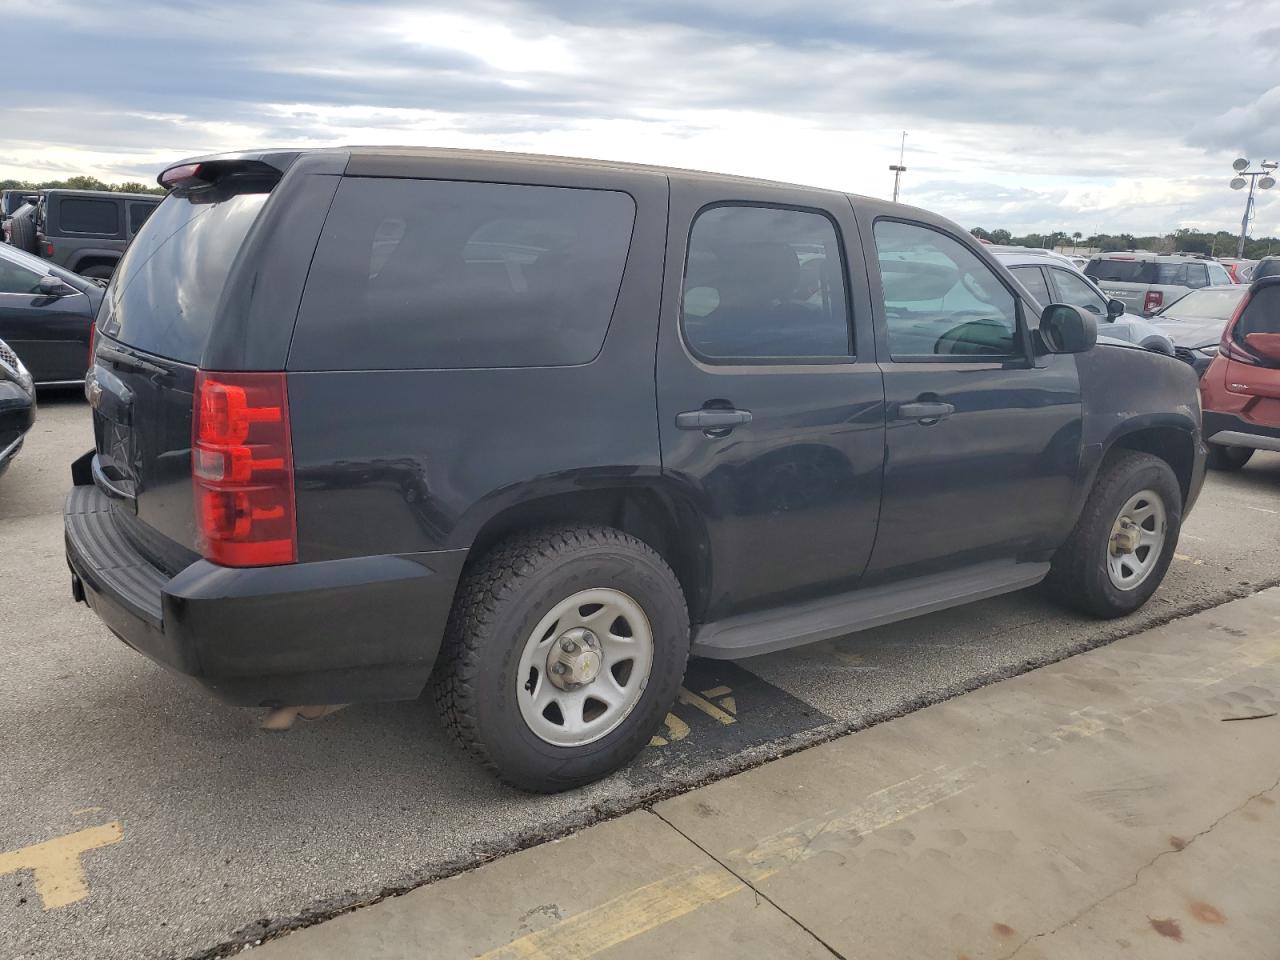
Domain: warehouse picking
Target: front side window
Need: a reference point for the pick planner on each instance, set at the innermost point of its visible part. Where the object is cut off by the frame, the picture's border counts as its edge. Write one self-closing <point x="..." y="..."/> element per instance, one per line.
<point x="765" y="282"/>
<point x="421" y="274"/>
<point x="1073" y="290"/>
<point x="82" y="215"/>
<point x="17" y="278"/>
<point x="1033" y="280"/>
<point x="1218" y="275"/>
<point x="940" y="299"/>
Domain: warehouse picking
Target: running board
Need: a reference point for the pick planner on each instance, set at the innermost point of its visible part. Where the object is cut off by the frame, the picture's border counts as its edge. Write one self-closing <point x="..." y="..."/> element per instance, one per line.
<point x="751" y="634"/>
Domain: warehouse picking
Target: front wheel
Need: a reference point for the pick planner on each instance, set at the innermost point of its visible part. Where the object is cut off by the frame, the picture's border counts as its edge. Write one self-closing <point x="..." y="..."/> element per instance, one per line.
<point x="564" y="651"/>
<point x="1230" y="459"/>
<point x="1123" y="542"/>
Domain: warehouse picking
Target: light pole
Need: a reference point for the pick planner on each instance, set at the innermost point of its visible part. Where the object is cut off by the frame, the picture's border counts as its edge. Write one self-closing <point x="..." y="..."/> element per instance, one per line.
<point x="1262" y="179"/>
<point x="897" y="168"/>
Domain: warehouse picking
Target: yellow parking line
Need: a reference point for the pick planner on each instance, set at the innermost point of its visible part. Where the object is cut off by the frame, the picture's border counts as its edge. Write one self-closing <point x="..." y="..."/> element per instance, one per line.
<point x="56" y="865"/>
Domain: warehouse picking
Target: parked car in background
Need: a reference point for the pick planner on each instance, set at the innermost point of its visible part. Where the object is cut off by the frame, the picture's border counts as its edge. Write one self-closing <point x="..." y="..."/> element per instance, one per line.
<point x="17" y="405"/>
<point x="12" y="199"/>
<point x="1051" y="278"/>
<point x="734" y="416"/>
<point x="1266" y="267"/>
<point x="1240" y="391"/>
<point x="1148" y="281"/>
<point x="1195" y="322"/>
<point x="46" y="316"/>
<point x="85" y="231"/>
<point x="1241" y="270"/>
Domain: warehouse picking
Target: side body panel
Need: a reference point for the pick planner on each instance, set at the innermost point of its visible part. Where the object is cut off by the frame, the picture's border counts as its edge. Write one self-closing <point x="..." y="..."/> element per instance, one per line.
<point x="407" y="461"/>
<point x="791" y="498"/>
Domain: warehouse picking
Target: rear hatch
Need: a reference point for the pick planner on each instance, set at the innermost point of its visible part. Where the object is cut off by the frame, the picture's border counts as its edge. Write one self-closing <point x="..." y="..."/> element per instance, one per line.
<point x="152" y="331"/>
<point x="1144" y="285"/>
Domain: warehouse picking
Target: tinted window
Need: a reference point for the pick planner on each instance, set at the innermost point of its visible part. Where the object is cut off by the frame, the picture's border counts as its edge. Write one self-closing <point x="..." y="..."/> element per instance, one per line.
<point x="83" y="215"/>
<point x="166" y="288"/>
<point x="1196" y="276"/>
<point x="1033" y="280"/>
<point x="1267" y="267"/>
<point x="1261" y="319"/>
<point x="939" y="297"/>
<point x="138" y="213"/>
<point x="17" y="278"/>
<point x="432" y="273"/>
<point x="1071" y="289"/>
<point x="763" y="282"/>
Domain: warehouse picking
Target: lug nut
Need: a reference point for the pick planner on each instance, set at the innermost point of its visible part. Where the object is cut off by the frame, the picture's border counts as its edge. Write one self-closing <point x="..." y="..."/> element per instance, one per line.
<point x="568" y="646"/>
<point x="559" y="668"/>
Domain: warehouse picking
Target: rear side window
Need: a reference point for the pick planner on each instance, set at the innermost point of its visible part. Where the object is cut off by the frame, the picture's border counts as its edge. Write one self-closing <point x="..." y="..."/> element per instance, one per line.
<point x="138" y="213"/>
<point x="1033" y="280"/>
<point x="765" y="282"/>
<point x="84" y="215"/>
<point x="420" y="274"/>
<point x="166" y="289"/>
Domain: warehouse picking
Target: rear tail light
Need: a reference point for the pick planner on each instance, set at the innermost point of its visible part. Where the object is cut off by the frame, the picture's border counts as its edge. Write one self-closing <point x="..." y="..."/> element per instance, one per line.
<point x="242" y="469"/>
<point x="48" y="249"/>
<point x="1153" y="301"/>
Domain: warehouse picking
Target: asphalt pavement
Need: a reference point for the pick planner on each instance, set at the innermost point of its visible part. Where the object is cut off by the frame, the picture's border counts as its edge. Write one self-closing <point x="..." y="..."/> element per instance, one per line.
<point x="155" y="822"/>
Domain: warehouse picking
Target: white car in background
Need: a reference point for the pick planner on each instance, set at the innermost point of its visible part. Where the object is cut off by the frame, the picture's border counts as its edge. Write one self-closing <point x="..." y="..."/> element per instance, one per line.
<point x="1052" y="278"/>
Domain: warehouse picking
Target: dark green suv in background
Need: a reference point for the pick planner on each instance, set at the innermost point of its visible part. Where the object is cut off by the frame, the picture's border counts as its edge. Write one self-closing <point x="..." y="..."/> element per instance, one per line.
<point x="83" y="230"/>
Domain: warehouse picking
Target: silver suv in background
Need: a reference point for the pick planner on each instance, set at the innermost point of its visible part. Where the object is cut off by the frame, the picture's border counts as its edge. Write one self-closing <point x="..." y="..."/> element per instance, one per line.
<point x="1148" y="281"/>
<point x="1053" y="278"/>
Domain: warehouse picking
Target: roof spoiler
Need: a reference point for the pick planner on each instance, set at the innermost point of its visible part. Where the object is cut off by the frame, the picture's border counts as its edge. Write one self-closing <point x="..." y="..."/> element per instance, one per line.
<point x="202" y="173"/>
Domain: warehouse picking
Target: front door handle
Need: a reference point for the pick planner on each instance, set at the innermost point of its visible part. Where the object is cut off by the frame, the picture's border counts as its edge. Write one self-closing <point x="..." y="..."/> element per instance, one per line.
<point x="925" y="411"/>
<point x="712" y="418"/>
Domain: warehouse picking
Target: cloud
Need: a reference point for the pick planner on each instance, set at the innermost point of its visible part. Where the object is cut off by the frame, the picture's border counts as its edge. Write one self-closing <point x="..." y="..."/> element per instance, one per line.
<point x="1051" y="117"/>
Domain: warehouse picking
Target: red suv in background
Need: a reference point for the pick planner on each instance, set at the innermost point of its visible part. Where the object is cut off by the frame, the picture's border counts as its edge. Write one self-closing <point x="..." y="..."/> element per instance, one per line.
<point x="1240" y="392"/>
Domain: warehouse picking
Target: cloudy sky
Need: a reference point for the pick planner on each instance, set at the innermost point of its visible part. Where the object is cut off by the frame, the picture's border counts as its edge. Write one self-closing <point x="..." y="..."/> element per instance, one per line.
<point x="1089" y="115"/>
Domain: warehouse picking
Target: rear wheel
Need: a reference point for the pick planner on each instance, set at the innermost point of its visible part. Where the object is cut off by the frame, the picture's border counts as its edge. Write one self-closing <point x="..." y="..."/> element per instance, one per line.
<point x="1228" y="458"/>
<point x="564" y="651"/>
<point x="1124" y="540"/>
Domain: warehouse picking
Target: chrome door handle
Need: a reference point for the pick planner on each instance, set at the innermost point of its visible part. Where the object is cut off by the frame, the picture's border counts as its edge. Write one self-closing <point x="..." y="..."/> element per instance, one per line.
<point x="925" y="411"/>
<point x="712" y="418"/>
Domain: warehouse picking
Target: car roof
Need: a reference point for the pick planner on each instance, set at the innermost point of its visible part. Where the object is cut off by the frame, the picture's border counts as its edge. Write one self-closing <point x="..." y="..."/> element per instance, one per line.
<point x="1151" y="255"/>
<point x="105" y="194"/>
<point x="1024" y="256"/>
<point x="284" y="158"/>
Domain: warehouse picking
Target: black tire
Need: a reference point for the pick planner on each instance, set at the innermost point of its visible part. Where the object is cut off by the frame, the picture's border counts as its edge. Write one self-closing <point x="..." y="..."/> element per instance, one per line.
<point x="1078" y="577"/>
<point x="22" y="231"/>
<point x="1229" y="459"/>
<point x="99" y="271"/>
<point x="498" y="605"/>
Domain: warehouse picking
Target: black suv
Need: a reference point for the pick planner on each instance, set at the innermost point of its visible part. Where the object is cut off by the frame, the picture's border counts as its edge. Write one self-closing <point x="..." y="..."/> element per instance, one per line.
<point x="545" y="427"/>
<point x="85" y="231"/>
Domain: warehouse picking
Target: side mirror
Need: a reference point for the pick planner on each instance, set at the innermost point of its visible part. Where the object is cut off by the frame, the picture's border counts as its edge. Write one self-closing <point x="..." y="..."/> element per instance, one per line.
<point x="1065" y="328"/>
<point x="52" y="287"/>
<point x="1115" y="309"/>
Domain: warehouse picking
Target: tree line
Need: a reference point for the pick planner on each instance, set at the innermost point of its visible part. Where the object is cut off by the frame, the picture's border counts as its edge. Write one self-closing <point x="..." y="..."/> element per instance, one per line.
<point x="80" y="183"/>
<point x="1221" y="243"/>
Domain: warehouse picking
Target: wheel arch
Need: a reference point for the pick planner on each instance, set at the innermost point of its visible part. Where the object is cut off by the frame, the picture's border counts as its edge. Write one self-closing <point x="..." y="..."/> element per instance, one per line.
<point x="83" y="259"/>
<point x="1172" y="443"/>
<point x="656" y="513"/>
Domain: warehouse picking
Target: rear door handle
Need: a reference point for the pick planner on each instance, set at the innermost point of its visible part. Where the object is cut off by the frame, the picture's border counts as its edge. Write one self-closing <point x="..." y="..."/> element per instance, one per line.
<point x="712" y="419"/>
<point x="925" y="411"/>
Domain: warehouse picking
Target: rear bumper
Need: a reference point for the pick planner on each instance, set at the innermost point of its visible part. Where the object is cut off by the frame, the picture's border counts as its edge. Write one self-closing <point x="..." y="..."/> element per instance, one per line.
<point x="338" y="631"/>
<point x="1229" y="430"/>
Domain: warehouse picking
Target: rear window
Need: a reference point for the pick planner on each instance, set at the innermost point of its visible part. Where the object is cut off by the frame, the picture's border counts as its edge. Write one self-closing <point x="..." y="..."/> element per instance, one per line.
<point x="166" y="289"/>
<point x="443" y="274"/>
<point x="83" y="215"/>
<point x="1147" y="271"/>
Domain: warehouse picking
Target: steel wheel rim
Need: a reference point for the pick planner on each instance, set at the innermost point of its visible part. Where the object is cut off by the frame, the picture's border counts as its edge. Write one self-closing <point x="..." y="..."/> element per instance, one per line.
<point x="582" y="715"/>
<point x="1137" y="540"/>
